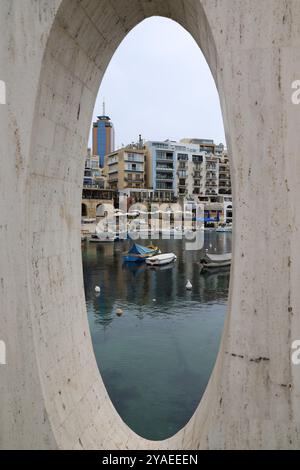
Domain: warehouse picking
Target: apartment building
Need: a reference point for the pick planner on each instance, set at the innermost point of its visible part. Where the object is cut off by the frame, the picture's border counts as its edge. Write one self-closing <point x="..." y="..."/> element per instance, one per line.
<point x="175" y="169"/>
<point x="125" y="168"/>
<point x="93" y="174"/>
<point x="224" y="175"/>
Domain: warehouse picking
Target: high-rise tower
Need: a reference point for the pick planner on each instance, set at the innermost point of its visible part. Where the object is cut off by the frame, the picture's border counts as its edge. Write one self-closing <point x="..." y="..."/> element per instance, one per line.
<point x="103" y="137"/>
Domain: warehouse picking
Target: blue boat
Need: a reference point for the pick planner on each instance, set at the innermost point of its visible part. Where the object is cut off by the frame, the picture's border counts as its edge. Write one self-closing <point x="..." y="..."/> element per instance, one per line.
<point x="139" y="253"/>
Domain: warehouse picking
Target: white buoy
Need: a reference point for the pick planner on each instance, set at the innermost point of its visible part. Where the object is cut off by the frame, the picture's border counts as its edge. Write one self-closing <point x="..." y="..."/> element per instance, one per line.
<point x="97" y="289"/>
<point x="189" y="285"/>
<point x="154" y="300"/>
<point x="119" y="312"/>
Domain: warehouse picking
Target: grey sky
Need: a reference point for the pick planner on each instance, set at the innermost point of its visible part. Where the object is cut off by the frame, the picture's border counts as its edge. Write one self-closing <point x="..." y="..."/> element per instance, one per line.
<point x="158" y="84"/>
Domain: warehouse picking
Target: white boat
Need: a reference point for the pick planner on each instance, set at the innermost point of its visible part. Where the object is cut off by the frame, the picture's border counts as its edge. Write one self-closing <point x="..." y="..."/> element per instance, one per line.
<point x="160" y="260"/>
<point x="224" y="228"/>
<point x="216" y="261"/>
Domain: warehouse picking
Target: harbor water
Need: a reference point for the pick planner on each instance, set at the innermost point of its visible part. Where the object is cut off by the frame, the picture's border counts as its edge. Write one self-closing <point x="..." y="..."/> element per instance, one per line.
<point x="157" y="357"/>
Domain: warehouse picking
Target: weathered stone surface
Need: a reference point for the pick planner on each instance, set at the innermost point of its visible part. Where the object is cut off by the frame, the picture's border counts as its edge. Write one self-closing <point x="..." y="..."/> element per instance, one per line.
<point x="53" y="54"/>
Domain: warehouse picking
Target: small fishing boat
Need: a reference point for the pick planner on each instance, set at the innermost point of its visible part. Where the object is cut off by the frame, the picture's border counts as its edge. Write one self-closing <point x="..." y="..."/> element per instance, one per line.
<point x="224" y="228"/>
<point x="211" y="261"/>
<point x="160" y="260"/>
<point x="139" y="253"/>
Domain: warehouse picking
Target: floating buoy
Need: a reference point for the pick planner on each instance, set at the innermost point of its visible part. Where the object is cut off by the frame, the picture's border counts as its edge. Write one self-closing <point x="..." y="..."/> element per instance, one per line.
<point x="188" y="285"/>
<point x="154" y="300"/>
<point x="97" y="289"/>
<point x="119" y="312"/>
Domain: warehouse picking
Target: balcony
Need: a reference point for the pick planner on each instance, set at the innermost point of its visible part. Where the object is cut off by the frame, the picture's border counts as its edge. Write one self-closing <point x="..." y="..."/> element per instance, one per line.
<point x="133" y="170"/>
<point x="211" y="167"/>
<point x="164" y="187"/>
<point x="211" y="178"/>
<point x="224" y="168"/>
<point x="165" y="180"/>
<point x="164" y="159"/>
<point x="166" y="176"/>
<point x="211" y="193"/>
<point x="164" y="167"/>
<point x="134" y="158"/>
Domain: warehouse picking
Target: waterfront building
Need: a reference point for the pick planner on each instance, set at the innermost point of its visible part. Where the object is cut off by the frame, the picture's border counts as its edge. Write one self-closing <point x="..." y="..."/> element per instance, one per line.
<point x="175" y="169"/>
<point x="93" y="174"/>
<point x="125" y="167"/>
<point x="196" y="169"/>
<point x="212" y="175"/>
<point x="204" y="145"/>
<point x="224" y="175"/>
<point x="103" y="137"/>
<point x="218" y="181"/>
<point x="186" y="168"/>
<point x="95" y="195"/>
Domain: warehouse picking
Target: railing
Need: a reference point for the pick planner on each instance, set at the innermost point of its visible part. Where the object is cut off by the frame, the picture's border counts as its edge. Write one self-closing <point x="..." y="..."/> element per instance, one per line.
<point x="209" y="177"/>
<point x="98" y="193"/>
<point x="210" y="167"/>
<point x="93" y="186"/>
<point x="161" y="158"/>
<point x="159" y="167"/>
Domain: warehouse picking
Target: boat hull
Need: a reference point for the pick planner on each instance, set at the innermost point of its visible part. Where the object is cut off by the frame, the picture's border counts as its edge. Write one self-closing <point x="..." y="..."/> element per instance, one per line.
<point x="209" y="266"/>
<point x="213" y="261"/>
<point x="161" y="260"/>
<point x="140" y="258"/>
<point x="133" y="259"/>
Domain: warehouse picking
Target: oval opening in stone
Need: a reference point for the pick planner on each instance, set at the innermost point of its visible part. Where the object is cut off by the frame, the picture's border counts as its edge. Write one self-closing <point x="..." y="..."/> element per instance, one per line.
<point x="155" y="340"/>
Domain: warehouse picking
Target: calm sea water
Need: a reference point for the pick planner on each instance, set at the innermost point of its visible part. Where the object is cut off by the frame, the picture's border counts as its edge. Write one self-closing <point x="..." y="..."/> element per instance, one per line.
<point x="157" y="358"/>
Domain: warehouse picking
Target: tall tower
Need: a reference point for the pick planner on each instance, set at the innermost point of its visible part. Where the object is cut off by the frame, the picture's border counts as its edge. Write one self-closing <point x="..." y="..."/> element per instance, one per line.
<point x="103" y="137"/>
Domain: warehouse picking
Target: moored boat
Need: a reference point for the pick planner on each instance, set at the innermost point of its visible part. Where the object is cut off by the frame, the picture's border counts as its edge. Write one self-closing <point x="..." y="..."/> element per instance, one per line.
<point x="223" y="228"/>
<point x="139" y="254"/>
<point x="210" y="261"/>
<point x="160" y="260"/>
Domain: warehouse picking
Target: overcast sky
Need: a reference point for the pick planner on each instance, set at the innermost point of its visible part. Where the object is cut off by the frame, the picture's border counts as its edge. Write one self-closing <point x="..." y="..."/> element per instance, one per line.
<point x="158" y="84"/>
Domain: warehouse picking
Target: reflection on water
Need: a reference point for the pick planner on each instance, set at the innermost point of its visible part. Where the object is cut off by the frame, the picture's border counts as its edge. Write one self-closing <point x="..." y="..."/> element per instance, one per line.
<point x="157" y="358"/>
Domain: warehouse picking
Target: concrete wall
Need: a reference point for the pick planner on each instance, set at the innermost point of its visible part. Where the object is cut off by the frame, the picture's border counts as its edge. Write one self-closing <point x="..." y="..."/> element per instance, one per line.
<point x="53" y="54"/>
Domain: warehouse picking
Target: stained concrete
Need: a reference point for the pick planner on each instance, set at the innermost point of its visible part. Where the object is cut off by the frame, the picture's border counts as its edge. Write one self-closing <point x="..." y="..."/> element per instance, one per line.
<point x="53" y="54"/>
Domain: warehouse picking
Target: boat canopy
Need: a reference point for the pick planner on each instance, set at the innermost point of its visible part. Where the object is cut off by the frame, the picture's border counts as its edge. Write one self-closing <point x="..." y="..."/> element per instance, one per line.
<point x="218" y="258"/>
<point x="139" y="250"/>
